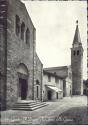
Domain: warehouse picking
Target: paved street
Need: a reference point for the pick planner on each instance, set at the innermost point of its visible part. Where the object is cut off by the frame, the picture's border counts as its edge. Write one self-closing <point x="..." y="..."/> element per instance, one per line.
<point x="45" y="114"/>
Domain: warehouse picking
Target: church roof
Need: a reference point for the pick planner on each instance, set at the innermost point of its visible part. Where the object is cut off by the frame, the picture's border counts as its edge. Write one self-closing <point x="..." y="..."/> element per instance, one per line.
<point x="77" y="38"/>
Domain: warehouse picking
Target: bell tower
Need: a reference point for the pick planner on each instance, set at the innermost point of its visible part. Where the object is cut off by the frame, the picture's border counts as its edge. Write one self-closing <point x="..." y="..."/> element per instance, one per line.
<point x="77" y="63"/>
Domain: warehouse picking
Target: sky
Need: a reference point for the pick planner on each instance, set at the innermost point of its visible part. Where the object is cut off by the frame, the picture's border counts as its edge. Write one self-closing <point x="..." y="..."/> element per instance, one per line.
<point x="55" y="23"/>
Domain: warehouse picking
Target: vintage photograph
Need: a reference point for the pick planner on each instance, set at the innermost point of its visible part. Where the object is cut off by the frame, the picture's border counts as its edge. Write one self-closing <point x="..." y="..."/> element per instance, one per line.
<point x="43" y="62"/>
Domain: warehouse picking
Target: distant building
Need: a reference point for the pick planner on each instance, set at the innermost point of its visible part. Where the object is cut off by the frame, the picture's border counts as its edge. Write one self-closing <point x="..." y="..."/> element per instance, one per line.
<point x="52" y="86"/>
<point x="64" y="74"/>
<point x="77" y="64"/>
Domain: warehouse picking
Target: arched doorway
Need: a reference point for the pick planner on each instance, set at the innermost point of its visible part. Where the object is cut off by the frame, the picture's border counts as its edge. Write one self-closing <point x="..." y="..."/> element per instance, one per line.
<point x="64" y="89"/>
<point x="23" y="81"/>
<point x="49" y="95"/>
<point x="23" y="88"/>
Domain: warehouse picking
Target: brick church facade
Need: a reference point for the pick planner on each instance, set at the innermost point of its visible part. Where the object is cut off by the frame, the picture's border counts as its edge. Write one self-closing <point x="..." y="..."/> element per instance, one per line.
<point x="20" y="67"/>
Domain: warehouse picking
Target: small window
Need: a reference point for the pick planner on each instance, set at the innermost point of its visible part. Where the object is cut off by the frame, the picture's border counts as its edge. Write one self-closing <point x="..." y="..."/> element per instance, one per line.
<point x="17" y="25"/>
<point x="22" y="30"/>
<point x="37" y="82"/>
<point x="70" y="76"/>
<point x="57" y="95"/>
<point x="37" y="87"/>
<point x="27" y="36"/>
<point x="56" y="80"/>
<point x="49" y="78"/>
<point x="74" y="53"/>
<point x="78" y="52"/>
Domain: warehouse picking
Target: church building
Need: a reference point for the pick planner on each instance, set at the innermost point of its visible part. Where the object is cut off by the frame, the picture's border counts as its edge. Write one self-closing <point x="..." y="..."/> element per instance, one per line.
<point x="22" y="78"/>
<point x="20" y="68"/>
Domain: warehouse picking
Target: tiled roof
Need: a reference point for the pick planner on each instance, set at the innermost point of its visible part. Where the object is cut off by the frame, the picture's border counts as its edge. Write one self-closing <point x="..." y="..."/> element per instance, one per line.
<point x="52" y="74"/>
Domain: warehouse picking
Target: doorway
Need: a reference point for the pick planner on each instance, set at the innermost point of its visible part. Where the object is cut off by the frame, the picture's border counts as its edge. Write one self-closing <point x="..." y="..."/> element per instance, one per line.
<point x="49" y="95"/>
<point x="57" y="95"/>
<point x="64" y="89"/>
<point x="23" y="88"/>
<point x="37" y="91"/>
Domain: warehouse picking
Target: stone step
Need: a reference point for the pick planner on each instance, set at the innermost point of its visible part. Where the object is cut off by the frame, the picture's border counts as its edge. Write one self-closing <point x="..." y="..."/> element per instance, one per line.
<point x="29" y="106"/>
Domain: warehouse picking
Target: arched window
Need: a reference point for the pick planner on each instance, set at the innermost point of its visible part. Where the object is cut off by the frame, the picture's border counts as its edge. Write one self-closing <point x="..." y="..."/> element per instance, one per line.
<point x="74" y="53"/>
<point x="77" y="52"/>
<point x="27" y="36"/>
<point x="17" y="25"/>
<point x="22" y="30"/>
<point x="22" y="69"/>
<point x="37" y="82"/>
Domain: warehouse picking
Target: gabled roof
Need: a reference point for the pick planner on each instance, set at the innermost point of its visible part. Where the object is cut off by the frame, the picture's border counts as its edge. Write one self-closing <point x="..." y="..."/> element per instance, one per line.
<point x="58" y="67"/>
<point x="61" y="71"/>
<point x="52" y="74"/>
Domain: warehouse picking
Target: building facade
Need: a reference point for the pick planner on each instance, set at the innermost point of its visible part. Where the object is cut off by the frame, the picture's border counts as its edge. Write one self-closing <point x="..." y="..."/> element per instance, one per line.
<point x="87" y="39"/>
<point x="65" y="73"/>
<point x="77" y="64"/>
<point x="20" y="67"/>
<point x="52" y="86"/>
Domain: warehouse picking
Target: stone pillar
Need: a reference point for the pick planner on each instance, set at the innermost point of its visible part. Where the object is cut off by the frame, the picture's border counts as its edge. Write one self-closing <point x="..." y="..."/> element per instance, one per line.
<point x="34" y="66"/>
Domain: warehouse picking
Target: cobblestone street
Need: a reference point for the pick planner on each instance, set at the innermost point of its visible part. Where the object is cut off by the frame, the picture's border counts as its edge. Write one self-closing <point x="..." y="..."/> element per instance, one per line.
<point x="43" y="115"/>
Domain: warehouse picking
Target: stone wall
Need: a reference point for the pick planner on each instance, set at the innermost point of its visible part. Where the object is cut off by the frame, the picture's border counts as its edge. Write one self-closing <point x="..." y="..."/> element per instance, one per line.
<point x="38" y="75"/>
<point x="77" y="71"/>
<point x="17" y="50"/>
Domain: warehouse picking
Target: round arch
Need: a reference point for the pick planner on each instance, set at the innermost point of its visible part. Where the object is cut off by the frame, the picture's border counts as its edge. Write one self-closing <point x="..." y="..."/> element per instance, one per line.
<point x="22" y="69"/>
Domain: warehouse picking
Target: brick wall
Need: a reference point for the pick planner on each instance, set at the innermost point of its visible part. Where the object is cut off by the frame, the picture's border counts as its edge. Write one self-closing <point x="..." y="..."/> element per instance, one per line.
<point x="16" y="51"/>
<point x="77" y="71"/>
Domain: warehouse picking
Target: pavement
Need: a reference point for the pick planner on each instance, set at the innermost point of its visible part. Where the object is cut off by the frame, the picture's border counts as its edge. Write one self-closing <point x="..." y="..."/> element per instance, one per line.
<point x="43" y="115"/>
